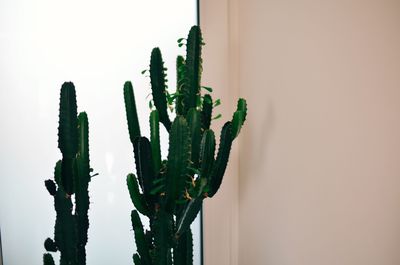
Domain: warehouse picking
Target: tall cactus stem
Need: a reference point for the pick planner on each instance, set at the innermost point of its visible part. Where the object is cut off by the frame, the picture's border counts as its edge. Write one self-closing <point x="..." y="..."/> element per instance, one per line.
<point x="178" y="160"/>
<point x="155" y="140"/>
<point x="193" y="67"/>
<point x="131" y="112"/>
<point x="67" y="134"/>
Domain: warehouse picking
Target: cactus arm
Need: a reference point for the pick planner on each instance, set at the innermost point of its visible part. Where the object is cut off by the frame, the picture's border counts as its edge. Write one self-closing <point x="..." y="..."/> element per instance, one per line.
<point x="191" y="210"/>
<point x="180" y="79"/>
<point x="242" y="106"/>
<point x="67" y="134"/>
<point x="144" y="166"/>
<point x="137" y="260"/>
<point x="57" y="172"/>
<point x="206" y="112"/>
<point x="183" y="252"/>
<point x="189" y="247"/>
<point x="51" y="187"/>
<point x="48" y="259"/>
<point x="237" y="122"/>
<point x="207" y="151"/>
<point x="50" y="245"/>
<point x="140" y="240"/>
<point x="162" y="228"/>
<point x="189" y="214"/>
<point x="137" y="198"/>
<point x="178" y="160"/>
<point x="83" y="128"/>
<point x="222" y="159"/>
<point x="194" y="121"/>
<point x="64" y="232"/>
<point x="155" y="140"/>
<point x="158" y="87"/>
<point x="193" y="67"/>
<point x="239" y="117"/>
<point x="131" y="112"/>
<point x="81" y="187"/>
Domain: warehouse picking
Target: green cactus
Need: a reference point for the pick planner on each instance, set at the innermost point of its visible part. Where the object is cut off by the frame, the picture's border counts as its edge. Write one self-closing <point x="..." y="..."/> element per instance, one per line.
<point x="178" y="161"/>
<point x="206" y="111"/>
<point x="180" y="81"/>
<point x="141" y="244"/>
<point x="192" y="72"/>
<point x="48" y="259"/>
<point x="158" y="87"/>
<point x="68" y="134"/>
<point x="172" y="191"/>
<point x="155" y="140"/>
<point x="131" y="113"/>
<point x="137" y="198"/>
<point x="193" y="118"/>
<point x="183" y="251"/>
<point x="71" y="178"/>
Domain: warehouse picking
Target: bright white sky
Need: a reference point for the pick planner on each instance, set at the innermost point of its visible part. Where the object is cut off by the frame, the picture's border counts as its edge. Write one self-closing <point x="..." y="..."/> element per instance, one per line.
<point x="98" y="45"/>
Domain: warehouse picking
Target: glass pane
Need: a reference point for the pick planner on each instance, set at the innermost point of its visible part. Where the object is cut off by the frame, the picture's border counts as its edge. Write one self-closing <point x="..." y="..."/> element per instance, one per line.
<point x="98" y="45"/>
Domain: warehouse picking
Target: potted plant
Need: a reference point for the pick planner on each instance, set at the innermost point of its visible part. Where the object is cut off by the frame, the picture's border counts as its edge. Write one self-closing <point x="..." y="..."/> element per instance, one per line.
<point x="170" y="191"/>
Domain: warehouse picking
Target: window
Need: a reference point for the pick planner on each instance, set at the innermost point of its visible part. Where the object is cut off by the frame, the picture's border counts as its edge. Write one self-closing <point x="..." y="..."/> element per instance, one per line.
<point x="98" y="45"/>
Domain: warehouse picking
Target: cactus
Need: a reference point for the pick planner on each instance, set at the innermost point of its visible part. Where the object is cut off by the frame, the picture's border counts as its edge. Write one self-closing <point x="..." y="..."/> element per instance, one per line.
<point x="172" y="191"/>
<point x="71" y="178"/>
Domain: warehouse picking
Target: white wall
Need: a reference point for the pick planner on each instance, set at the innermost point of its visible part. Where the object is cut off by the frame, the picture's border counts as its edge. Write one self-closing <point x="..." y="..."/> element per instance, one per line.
<point x="98" y="45"/>
<point x="319" y="180"/>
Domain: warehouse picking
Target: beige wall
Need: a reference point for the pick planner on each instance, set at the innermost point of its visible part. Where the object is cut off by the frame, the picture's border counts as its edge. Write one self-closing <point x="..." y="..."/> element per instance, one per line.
<point x="319" y="171"/>
<point x="221" y="213"/>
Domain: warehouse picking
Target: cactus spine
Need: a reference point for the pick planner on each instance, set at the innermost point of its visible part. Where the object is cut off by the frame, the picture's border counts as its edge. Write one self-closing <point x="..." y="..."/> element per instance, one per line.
<point x="172" y="191"/>
<point x="71" y="177"/>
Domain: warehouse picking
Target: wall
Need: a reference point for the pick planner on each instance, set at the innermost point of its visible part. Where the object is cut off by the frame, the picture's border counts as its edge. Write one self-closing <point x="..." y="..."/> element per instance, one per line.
<point x="221" y="218"/>
<point x="319" y="180"/>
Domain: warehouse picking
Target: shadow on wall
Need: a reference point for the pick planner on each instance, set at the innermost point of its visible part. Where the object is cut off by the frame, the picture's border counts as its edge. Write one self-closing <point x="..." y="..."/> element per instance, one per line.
<point x="258" y="139"/>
